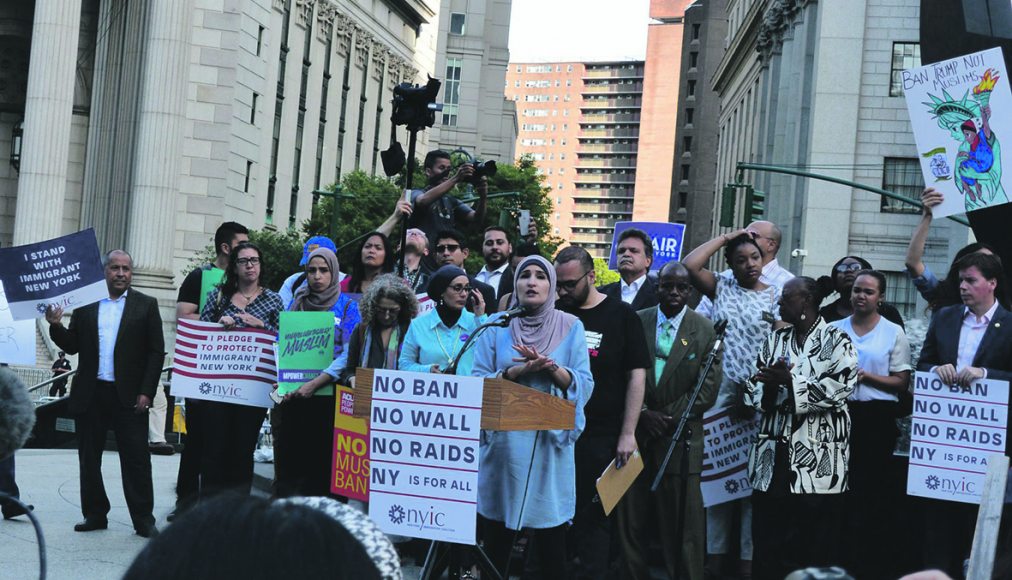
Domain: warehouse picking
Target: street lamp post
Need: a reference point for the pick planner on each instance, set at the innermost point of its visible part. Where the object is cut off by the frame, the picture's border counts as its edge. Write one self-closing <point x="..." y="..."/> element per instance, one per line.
<point x="338" y="195"/>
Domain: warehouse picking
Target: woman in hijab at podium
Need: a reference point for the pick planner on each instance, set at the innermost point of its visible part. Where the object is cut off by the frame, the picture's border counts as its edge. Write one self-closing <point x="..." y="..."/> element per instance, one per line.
<point x="526" y="478"/>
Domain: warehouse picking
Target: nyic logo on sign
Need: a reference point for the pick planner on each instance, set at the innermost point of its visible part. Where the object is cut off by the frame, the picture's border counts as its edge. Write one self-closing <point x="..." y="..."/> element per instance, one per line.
<point x="932" y="482"/>
<point x="396" y="514"/>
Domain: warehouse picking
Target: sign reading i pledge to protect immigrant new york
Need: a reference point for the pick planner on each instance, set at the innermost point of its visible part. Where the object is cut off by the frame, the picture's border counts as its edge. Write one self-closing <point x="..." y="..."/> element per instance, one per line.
<point x="229" y="366"/>
<point x="954" y="432"/>
<point x="423" y="455"/>
<point x="65" y="272"/>
<point x="726" y="445"/>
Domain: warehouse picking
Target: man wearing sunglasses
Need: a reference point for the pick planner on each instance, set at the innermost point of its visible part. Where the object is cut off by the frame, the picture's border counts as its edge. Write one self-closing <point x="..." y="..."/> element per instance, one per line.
<point x="451" y="248"/>
<point x="618" y="363"/>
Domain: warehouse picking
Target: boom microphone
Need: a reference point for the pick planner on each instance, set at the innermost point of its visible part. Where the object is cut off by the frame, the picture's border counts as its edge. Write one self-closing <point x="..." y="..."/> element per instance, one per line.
<point x="17" y="414"/>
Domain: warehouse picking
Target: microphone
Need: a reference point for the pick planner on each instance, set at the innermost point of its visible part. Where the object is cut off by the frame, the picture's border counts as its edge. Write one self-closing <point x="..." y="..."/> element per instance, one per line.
<point x="17" y="414"/>
<point x="516" y="312"/>
<point x="720" y="327"/>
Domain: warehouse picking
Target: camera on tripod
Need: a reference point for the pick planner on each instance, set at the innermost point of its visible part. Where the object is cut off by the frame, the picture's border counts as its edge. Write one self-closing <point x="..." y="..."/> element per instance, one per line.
<point x="415" y="106"/>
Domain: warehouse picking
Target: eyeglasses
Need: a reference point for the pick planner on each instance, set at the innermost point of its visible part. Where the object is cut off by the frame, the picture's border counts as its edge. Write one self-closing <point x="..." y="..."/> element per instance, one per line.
<point x="570" y="285"/>
<point x="389" y="311"/>
<point x="248" y="261"/>
<point x="447" y="248"/>
<point x="459" y="288"/>
<point x="848" y="267"/>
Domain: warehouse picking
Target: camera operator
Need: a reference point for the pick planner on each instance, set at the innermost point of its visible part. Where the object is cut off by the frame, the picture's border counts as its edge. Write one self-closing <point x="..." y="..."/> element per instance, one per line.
<point x="434" y="210"/>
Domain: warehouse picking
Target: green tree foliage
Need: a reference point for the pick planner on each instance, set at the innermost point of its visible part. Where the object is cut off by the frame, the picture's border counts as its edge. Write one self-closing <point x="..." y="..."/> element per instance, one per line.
<point x="281" y="251"/>
<point x="602" y="273"/>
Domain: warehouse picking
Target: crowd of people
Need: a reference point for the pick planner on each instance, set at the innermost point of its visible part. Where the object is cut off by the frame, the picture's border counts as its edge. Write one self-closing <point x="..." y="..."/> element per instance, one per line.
<point x="825" y="381"/>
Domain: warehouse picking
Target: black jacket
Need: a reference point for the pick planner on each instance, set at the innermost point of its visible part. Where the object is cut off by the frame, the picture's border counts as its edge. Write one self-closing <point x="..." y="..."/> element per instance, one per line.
<point x="645" y="298"/>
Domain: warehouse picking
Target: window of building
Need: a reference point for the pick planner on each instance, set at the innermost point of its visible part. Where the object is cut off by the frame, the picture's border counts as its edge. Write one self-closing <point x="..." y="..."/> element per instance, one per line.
<point x="695" y="31"/>
<point x="532" y="127"/>
<point x="569" y="83"/>
<point x="562" y="156"/>
<point x="901" y="293"/>
<point x="687" y="144"/>
<point x="688" y="116"/>
<point x="260" y="39"/>
<point x="539" y="68"/>
<point x="532" y="142"/>
<point x="902" y="176"/>
<point x="535" y="98"/>
<point x="569" y="68"/>
<point x="538" y="156"/>
<point x="683" y="199"/>
<point x="538" y="84"/>
<point x="691" y="88"/>
<point x="451" y="91"/>
<point x="516" y="84"/>
<point x="905" y="55"/>
<point x="685" y="172"/>
<point x="253" y="109"/>
<point x="457" y="23"/>
<point x="693" y="59"/>
<point x="249" y="171"/>
<point x="529" y="112"/>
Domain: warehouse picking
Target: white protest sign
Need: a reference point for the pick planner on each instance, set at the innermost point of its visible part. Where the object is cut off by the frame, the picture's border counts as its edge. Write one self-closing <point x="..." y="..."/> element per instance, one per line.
<point x="726" y="445"/>
<point x="17" y="337"/>
<point x="423" y="455"/>
<point x="228" y="366"/>
<point x="954" y="430"/>
<point x="960" y="112"/>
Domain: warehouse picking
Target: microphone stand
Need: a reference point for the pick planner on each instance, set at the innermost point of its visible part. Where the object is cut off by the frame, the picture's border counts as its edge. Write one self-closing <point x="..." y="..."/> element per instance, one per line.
<point x="452" y="368"/>
<point x="683" y="425"/>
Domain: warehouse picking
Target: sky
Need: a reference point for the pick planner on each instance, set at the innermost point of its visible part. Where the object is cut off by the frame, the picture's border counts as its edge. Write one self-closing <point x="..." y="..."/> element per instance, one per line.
<point x="575" y="30"/>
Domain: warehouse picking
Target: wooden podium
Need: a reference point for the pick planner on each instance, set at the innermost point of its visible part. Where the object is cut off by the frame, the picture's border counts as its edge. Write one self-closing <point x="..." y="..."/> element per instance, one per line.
<point x="505" y="406"/>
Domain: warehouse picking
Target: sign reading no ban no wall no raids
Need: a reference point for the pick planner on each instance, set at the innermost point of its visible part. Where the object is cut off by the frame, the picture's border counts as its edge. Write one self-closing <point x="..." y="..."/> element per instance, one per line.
<point x="423" y="455"/>
<point x="65" y="272"/>
<point x="954" y="432"/>
<point x="667" y="242"/>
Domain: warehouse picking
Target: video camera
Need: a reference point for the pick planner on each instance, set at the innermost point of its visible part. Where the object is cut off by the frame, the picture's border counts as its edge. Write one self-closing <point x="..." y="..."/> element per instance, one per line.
<point x="481" y="169"/>
<point x="415" y="106"/>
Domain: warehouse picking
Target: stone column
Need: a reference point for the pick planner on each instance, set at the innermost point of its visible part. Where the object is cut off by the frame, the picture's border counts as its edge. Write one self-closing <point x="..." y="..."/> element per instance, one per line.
<point x="49" y="104"/>
<point x="151" y="226"/>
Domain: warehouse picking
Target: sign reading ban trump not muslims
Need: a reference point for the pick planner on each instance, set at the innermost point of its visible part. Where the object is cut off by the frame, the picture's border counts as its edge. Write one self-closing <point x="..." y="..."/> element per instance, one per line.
<point x="65" y="272"/>
<point x="423" y="455"/>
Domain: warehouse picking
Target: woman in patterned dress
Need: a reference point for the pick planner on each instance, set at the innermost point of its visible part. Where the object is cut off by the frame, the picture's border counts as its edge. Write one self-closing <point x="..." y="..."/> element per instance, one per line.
<point x="750" y="308"/>
<point x="232" y="430"/>
<point x="798" y="465"/>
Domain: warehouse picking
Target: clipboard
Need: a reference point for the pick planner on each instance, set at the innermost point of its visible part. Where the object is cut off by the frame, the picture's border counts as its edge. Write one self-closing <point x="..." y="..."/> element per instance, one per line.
<point x="614" y="482"/>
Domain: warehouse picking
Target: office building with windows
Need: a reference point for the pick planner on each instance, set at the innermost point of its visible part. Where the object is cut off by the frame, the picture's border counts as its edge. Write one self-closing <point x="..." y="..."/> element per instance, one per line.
<point x="152" y="121"/>
<point x="814" y="86"/>
<point x="580" y="121"/>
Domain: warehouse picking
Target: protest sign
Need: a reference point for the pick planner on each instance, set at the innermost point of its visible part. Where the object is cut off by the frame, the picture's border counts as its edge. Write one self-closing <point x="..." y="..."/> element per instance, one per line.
<point x="423" y="455"/>
<point x="954" y="431"/>
<point x="425" y="304"/>
<point x="228" y="366"/>
<point x="726" y="445"/>
<point x="667" y="241"/>
<point x="65" y="272"/>
<point x="17" y="337"/>
<point x="959" y="110"/>
<point x="350" y="477"/>
<point x="305" y="347"/>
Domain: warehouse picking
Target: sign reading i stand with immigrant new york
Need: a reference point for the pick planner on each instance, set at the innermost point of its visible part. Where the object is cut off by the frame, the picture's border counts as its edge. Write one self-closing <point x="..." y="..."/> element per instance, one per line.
<point x="229" y="366"/>
<point x="65" y="272"/>
<point x="423" y="455"/>
<point x="955" y="430"/>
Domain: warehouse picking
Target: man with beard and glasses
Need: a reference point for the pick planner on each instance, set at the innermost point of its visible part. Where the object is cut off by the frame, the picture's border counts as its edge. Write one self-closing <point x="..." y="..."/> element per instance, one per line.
<point x="434" y="209"/>
<point x="451" y="250"/>
<point x="619" y="358"/>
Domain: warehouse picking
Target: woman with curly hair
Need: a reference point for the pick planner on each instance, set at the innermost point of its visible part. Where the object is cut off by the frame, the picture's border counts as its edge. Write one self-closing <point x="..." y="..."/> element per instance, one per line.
<point x="387" y="308"/>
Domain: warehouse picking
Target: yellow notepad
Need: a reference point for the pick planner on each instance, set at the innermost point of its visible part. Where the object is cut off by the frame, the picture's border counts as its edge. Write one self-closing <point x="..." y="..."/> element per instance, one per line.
<point x="614" y="482"/>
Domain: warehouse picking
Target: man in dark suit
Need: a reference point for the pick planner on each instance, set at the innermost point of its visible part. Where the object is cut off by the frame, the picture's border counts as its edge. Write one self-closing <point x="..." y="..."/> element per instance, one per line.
<point x="678" y="340"/>
<point x="497" y="272"/>
<point x="451" y="249"/>
<point x="635" y="253"/>
<point x="121" y="349"/>
<point x="965" y="342"/>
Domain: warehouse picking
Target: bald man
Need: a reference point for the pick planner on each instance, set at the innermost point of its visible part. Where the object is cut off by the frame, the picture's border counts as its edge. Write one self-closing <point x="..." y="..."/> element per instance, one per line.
<point x="767" y="236"/>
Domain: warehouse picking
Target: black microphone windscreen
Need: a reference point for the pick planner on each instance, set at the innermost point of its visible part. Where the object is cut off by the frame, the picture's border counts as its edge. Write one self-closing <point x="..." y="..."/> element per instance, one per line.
<point x="17" y="414"/>
<point x="720" y="327"/>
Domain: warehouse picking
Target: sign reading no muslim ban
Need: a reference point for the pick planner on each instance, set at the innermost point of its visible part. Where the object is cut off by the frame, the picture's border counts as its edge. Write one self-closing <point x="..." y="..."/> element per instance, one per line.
<point x="423" y="455"/>
<point x="229" y="366"/>
<point x="955" y="430"/>
<point x="350" y="477"/>
<point x="305" y="348"/>
<point x="667" y="241"/>
<point x="726" y="445"/>
<point x="65" y="272"/>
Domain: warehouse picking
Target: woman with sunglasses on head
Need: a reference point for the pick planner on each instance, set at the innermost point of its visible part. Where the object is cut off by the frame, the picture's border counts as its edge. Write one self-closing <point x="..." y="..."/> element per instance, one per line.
<point x="841" y="280"/>
<point x="305" y="418"/>
<point x="435" y="338"/>
<point x="527" y="478"/>
<point x="375" y="256"/>
<point x="231" y="430"/>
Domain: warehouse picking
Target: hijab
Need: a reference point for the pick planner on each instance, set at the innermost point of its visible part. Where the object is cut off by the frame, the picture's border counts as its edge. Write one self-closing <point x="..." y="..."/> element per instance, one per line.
<point x="306" y="299"/>
<point x="544" y="327"/>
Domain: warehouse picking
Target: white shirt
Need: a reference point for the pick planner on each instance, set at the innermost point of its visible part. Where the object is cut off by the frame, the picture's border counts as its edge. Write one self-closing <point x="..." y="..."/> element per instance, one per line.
<point x="110" y="313"/>
<point x="970" y="335"/>
<point x="772" y="275"/>
<point x="629" y="291"/>
<point x="492" y="278"/>
<point x="881" y="351"/>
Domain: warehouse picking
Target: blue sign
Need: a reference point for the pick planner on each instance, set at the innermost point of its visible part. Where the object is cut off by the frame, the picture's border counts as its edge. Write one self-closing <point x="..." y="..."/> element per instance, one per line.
<point x="667" y="240"/>
<point x="65" y="271"/>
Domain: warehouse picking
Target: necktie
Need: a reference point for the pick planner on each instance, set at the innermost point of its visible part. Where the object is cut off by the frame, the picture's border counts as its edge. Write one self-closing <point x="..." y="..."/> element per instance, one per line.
<point x="664" y="341"/>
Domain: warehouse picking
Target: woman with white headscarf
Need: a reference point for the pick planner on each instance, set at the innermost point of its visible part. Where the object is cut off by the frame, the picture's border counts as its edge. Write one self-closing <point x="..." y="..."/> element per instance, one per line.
<point x="526" y="479"/>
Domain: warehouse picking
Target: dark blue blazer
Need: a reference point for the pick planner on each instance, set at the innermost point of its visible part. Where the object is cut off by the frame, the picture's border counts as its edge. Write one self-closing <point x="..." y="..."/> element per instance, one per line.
<point x="941" y="346"/>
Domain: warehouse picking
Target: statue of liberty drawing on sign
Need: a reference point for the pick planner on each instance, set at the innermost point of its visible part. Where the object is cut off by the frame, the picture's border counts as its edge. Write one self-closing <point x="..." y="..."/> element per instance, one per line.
<point x="977" y="167"/>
